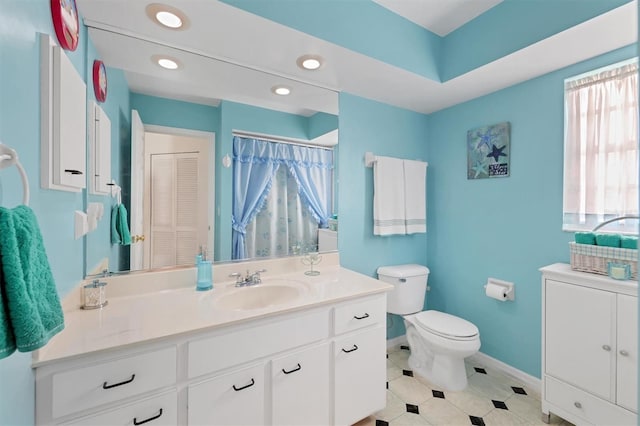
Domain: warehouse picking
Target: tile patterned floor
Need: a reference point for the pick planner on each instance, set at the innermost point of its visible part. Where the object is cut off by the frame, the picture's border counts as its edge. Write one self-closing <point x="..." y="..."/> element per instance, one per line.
<point x="492" y="398"/>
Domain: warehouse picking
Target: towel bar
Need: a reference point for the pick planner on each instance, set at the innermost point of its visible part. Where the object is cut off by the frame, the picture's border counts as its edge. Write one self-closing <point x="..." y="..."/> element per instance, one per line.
<point x="9" y="157"/>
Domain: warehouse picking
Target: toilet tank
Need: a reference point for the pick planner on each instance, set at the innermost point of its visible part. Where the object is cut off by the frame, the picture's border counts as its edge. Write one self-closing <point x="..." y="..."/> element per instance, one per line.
<point x="409" y="287"/>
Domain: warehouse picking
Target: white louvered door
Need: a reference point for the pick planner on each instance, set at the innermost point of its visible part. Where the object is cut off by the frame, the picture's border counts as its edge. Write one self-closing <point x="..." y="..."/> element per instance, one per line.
<point x="178" y="191"/>
<point x="174" y="209"/>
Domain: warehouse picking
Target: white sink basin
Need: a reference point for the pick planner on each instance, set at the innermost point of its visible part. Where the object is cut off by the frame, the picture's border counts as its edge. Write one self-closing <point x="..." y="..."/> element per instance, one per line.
<point x="261" y="296"/>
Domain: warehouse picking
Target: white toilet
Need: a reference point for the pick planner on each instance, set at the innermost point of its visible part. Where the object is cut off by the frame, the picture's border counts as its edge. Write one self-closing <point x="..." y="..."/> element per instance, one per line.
<point x="439" y="342"/>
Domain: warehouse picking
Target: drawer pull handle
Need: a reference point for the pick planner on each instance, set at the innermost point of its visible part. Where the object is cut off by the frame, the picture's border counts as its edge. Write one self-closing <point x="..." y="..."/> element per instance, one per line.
<point x="136" y="422"/>
<point x="606" y="347"/>
<point x="623" y="352"/>
<point x="577" y="404"/>
<point x="366" y="315"/>
<point x="253" y="382"/>
<point x="292" y="371"/>
<point x="73" y="172"/>
<point x="106" y="386"/>
<point x="355" y="348"/>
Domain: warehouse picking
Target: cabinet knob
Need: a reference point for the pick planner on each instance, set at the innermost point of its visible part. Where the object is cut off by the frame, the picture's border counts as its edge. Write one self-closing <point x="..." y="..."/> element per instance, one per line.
<point x="577" y="404"/>
<point x="623" y="352"/>
<point x="606" y="347"/>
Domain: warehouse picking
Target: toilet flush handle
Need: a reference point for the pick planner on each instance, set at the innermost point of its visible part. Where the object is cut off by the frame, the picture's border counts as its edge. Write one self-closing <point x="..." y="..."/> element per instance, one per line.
<point x="403" y="280"/>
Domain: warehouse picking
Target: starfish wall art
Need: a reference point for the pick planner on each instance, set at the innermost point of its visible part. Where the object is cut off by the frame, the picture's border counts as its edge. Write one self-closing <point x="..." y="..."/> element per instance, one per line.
<point x="488" y="151"/>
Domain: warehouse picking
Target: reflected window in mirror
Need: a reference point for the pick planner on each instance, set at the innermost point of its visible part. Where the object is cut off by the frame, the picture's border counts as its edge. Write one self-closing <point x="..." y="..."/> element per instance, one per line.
<point x="282" y="195"/>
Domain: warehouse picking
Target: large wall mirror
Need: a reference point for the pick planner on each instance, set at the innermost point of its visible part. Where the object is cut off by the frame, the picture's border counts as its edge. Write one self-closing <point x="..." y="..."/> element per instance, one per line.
<point x="183" y="124"/>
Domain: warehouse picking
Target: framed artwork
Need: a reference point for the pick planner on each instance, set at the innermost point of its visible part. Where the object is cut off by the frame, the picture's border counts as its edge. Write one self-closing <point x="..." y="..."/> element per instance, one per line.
<point x="65" y="22"/>
<point x="489" y="151"/>
<point x="99" y="80"/>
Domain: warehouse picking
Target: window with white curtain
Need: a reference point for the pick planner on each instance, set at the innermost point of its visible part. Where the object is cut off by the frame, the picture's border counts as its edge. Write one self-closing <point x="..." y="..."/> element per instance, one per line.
<point x="601" y="148"/>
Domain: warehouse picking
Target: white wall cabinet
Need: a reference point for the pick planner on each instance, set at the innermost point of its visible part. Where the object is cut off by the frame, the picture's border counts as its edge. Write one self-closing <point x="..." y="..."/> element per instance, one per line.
<point x="100" y="151"/>
<point x="322" y="366"/>
<point x="589" y="347"/>
<point x="63" y="115"/>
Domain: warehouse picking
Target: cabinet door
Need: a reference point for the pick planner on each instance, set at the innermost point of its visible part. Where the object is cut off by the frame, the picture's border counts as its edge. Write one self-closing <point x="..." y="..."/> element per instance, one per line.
<point x="233" y="399"/>
<point x="300" y="387"/>
<point x="627" y="380"/>
<point x="580" y="336"/>
<point x="360" y="375"/>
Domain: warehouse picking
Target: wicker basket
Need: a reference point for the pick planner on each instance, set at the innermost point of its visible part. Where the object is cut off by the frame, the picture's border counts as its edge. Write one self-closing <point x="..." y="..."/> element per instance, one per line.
<point x="595" y="259"/>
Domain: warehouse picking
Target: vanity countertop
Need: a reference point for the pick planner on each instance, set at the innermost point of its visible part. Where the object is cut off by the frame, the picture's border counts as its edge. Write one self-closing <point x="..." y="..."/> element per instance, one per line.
<point x="132" y="319"/>
<point x="561" y="271"/>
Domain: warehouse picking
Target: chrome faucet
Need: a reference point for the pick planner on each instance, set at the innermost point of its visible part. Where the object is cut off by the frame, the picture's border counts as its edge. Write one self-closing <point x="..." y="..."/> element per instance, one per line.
<point x="249" y="279"/>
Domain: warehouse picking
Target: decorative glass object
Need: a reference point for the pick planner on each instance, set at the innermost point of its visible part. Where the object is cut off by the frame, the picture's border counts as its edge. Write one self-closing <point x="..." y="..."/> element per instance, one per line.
<point x="311" y="259"/>
<point x="95" y="295"/>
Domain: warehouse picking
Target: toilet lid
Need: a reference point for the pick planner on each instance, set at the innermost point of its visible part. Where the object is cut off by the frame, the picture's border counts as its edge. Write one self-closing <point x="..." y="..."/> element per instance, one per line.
<point x="446" y="325"/>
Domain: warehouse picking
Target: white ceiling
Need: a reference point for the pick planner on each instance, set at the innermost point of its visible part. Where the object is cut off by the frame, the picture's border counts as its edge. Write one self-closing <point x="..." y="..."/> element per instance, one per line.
<point x="439" y="16"/>
<point x="269" y="50"/>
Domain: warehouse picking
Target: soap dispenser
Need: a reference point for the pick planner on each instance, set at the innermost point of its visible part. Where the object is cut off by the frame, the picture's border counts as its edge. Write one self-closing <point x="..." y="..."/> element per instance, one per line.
<point x="204" y="280"/>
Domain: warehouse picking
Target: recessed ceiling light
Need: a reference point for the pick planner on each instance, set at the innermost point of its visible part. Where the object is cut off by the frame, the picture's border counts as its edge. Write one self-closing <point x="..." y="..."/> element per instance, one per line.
<point x="169" y="19"/>
<point x="281" y="90"/>
<point x="166" y="62"/>
<point x="167" y="16"/>
<point x="309" y="62"/>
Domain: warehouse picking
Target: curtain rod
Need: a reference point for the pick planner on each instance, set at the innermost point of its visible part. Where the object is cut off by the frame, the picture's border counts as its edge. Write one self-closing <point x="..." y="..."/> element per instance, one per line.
<point x="279" y="139"/>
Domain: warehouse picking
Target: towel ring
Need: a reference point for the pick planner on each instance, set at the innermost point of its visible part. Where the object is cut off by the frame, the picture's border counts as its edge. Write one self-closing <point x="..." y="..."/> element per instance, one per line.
<point x="9" y="157"/>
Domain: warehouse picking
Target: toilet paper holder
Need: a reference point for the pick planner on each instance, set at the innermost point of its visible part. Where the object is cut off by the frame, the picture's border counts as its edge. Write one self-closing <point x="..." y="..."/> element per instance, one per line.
<point x="505" y="289"/>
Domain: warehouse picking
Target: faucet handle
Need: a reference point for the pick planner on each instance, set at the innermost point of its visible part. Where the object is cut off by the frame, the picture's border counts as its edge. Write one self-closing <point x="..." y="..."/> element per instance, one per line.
<point x="259" y="271"/>
<point x="237" y="276"/>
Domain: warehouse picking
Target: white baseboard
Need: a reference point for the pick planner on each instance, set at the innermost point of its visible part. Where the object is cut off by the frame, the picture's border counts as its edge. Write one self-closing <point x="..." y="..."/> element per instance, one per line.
<point x="533" y="383"/>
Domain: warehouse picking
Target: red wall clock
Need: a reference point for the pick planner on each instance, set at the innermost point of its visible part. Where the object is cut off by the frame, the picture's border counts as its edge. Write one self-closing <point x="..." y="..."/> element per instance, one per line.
<point x="65" y="21"/>
<point x="99" y="80"/>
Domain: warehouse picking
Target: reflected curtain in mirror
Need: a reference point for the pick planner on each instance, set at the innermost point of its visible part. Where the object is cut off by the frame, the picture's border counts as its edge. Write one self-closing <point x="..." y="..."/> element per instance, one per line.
<point x="255" y="165"/>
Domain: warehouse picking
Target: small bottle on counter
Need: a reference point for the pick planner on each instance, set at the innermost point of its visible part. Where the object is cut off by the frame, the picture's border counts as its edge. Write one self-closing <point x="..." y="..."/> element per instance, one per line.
<point x="204" y="271"/>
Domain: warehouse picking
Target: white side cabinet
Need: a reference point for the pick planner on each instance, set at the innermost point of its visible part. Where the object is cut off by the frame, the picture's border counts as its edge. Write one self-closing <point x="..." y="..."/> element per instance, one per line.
<point x="320" y="366"/>
<point x="589" y="347"/>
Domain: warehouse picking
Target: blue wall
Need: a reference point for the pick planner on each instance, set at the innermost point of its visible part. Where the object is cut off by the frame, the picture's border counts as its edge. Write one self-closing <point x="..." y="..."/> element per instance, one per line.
<point x="505" y="228"/>
<point x="388" y="131"/>
<point x="20" y="23"/>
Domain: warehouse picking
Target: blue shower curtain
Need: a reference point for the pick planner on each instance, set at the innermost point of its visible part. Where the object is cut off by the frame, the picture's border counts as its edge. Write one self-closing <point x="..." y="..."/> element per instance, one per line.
<point x="255" y="162"/>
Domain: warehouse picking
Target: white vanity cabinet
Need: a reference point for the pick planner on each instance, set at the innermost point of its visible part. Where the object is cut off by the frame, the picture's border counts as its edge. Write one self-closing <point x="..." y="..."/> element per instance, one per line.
<point x="589" y="347"/>
<point x="316" y="366"/>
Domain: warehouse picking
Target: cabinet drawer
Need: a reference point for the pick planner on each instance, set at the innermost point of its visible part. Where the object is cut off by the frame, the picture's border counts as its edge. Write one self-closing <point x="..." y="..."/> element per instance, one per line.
<point x="586" y="406"/>
<point x="240" y="345"/>
<point x="159" y="411"/>
<point x="359" y="314"/>
<point x="82" y="388"/>
<point x="232" y="399"/>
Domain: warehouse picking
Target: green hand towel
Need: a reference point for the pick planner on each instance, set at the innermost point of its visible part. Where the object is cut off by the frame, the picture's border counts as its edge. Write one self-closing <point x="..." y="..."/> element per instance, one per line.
<point x="35" y="314"/>
<point x="585" y="238"/>
<point x="115" y="235"/>
<point x="629" y="242"/>
<point x="7" y="339"/>
<point x="608" y="240"/>
<point x="120" y="233"/>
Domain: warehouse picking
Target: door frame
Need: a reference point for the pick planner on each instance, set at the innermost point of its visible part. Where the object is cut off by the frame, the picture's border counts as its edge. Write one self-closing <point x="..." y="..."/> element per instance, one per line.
<point x="210" y="137"/>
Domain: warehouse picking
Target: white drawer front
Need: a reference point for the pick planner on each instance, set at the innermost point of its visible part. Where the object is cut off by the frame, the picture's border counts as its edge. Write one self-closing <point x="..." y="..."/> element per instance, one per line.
<point x="159" y="411"/>
<point x="242" y="345"/>
<point x="98" y="384"/>
<point x="233" y="399"/>
<point x="359" y="314"/>
<point x="586" y="406"/>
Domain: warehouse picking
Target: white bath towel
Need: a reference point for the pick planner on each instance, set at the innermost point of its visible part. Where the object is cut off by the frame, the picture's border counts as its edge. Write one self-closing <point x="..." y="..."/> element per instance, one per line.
<point x="415" y="196"/>
<point x="388" y="196"/>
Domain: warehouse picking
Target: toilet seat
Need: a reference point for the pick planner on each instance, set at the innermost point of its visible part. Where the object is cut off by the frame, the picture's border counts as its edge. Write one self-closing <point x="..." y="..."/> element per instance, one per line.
<point x="447" y="326"/>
